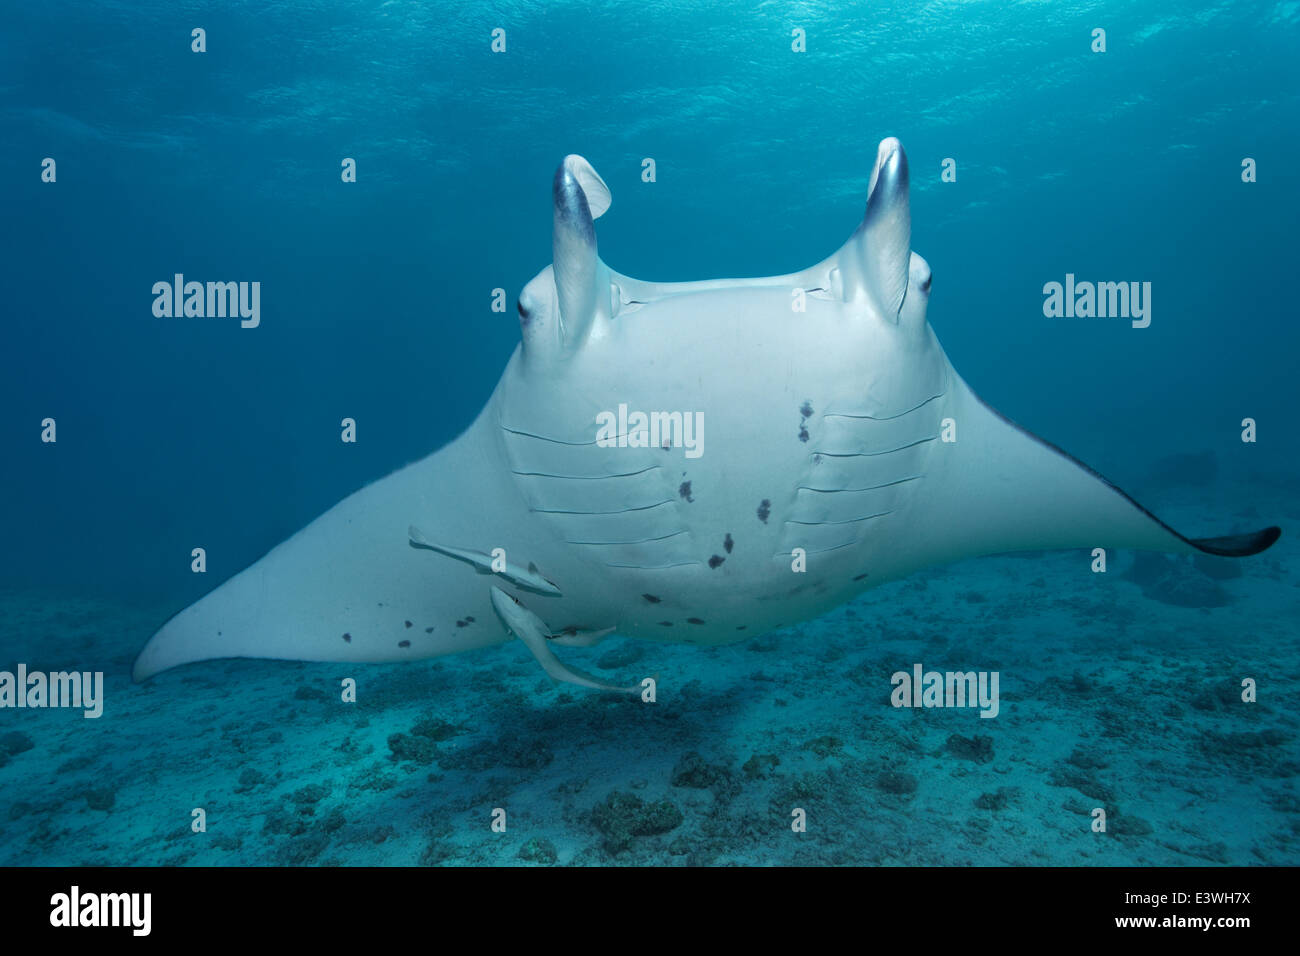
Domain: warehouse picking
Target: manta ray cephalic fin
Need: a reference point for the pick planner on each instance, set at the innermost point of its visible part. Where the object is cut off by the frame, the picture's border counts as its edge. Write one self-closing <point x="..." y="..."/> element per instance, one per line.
<point x="530" y="629"/>
<point x="582" y="282"/>
<point x="529" y="578"/>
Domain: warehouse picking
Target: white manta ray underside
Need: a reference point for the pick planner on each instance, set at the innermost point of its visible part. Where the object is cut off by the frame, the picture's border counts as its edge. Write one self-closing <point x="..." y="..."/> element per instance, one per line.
<point x="818" y="438"/>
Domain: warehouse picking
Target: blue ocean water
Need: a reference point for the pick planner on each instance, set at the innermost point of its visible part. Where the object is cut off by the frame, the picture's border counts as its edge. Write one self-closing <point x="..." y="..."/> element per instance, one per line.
<point x="376" y="305"/>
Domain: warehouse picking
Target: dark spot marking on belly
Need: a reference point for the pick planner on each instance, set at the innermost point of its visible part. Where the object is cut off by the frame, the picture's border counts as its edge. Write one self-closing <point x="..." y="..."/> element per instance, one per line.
<point x="742" y="627"/>
<point x="764" y="509"/>
<point x="685" y="491"/>
<point x="469" y="619"/>
<point x="348" y="638"/>
<point x="651" y="598"/>
<point x="728" y="543"/>
<point x="429" y="630"/>
<point x="817" y="459"/>
<point x="665" y="623"/>
<point x="860" y="576"/>
<point x="408" y="624"/>
<point x="715" y="562"/>
<point x="806" y="411"/>
<point x="462" y="623"/>
<point x="403" y="643"/>
<point x="693" y="620"/>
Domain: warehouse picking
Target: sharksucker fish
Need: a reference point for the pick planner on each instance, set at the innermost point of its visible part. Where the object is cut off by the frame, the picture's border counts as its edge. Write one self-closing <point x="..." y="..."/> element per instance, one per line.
<point x="839" y="449"/>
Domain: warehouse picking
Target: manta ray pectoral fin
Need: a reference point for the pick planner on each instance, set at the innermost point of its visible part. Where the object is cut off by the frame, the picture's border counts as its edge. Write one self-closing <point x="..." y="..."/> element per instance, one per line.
<point x="530" y="579"/>
<point x="1143" y="525"/>
<point x="530" y="629"/>
<point x="999" y="487"/>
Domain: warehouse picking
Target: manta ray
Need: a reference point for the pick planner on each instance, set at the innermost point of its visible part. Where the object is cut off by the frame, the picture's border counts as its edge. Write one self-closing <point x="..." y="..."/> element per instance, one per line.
<point x="833" y="448"/>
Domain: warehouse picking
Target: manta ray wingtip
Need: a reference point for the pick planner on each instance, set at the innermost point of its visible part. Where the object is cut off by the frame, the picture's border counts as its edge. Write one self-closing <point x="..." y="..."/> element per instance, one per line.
<point x="1238" y="545"/>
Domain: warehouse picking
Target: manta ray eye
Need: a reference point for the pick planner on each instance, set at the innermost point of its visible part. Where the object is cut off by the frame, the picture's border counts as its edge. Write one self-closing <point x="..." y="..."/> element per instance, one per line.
<point x="523" y="313"/>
